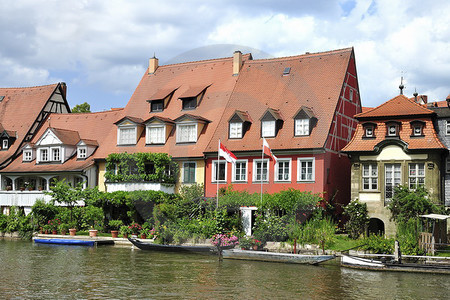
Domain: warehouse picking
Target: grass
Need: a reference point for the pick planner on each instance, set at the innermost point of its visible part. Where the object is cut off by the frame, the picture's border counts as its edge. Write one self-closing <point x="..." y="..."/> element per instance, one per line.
<point x="343" y="242"/>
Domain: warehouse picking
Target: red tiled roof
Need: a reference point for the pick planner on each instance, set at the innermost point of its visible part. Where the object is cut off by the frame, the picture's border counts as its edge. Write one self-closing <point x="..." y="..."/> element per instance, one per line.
<point x="162" y="94"/>
<point x="397" y="106"/>
<point x="132" y="119"/>
<point x="67" y="137"/>
<point x="315" y="81"/>
<point x="19" y="109"/>
<point x="193" y="91"/>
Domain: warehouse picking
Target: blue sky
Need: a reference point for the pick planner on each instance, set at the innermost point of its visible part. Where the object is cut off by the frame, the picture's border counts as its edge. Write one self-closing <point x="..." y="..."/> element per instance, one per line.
<point x="101" y="48"/>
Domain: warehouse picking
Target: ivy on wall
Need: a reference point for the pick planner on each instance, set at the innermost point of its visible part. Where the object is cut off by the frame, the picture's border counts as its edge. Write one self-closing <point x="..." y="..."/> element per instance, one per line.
<point x="138" y="167"/>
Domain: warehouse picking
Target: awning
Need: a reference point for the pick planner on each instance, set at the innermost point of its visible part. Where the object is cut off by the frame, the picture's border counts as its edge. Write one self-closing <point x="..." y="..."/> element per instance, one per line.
<point x="435" y="216"/>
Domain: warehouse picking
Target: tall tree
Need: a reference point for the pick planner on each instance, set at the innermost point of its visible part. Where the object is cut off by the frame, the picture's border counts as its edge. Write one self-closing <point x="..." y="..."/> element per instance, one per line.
<point x="81" y="108"/>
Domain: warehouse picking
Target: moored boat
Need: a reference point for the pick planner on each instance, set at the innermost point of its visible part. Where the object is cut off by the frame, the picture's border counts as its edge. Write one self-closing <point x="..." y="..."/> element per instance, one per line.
<point x="370" y="264"/>
<point x="175" y="248"/>
<point x="275" y="257"/>
<point x="65" y="242"/>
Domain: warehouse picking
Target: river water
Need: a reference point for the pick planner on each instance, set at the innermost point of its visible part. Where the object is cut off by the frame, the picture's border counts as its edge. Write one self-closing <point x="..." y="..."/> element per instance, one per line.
<point x="34" y="271"/>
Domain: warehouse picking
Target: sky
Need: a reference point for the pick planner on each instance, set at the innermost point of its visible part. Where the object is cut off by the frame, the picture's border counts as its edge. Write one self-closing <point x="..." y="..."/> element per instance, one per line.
<point x="101" y="48"/>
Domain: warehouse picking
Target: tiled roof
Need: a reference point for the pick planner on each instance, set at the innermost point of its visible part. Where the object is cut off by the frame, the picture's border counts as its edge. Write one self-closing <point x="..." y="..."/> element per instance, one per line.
<point x="92" y="128"/>
<point x="396" y="107"/>
<point x="132" y="119"/>
<point x="315" y="81"/>
<point x="193" y="91"/>
<point x="161" y="94"/>
<point x="19" y="109"/>
<point x="67" y="137"/>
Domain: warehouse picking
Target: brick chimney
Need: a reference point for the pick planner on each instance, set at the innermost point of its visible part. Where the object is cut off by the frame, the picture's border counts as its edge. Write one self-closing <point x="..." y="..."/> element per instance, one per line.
<point x="152" y="65"/>
<point x="237" y="62"/>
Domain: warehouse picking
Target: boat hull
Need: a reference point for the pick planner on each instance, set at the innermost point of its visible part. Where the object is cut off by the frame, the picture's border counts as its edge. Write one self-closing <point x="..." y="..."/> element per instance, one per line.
<point x="65" y="242"/>
<point x="275" y="257"/>
<point x="173" y="248"/>
<point x="369" y="264"/>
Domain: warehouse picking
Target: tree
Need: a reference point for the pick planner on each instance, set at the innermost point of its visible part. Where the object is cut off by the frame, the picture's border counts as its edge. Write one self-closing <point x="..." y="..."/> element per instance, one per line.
<point x="410" y="204"/>
<point x="358" y="218"/>
<point x="81" y="108"/>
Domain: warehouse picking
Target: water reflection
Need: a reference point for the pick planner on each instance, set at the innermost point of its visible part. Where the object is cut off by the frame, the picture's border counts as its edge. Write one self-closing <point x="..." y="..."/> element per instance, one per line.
<point x="47" y="271"/>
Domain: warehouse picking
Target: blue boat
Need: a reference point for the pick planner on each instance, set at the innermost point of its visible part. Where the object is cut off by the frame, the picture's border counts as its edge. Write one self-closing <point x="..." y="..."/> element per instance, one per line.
<point x="65" y="242"/>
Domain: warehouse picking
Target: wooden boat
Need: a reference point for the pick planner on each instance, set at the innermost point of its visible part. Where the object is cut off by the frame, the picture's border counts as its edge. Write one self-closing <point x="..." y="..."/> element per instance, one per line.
<point x="65" y="242"/>
<point x="370" y="264"/>
<point x="206" y="249"/>
<point x="275" y="257"/>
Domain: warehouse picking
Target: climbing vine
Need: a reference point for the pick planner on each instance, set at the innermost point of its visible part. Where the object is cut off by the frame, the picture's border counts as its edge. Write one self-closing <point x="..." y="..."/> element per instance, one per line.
<point x="143" y="166"/>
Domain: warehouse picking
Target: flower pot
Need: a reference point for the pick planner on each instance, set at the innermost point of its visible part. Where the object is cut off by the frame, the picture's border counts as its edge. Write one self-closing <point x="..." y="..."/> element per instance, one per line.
<point x="54" y="232"/>
<point x="255" y="247"/>
<point x="46" y="231"/>
<point x="114" y="233"/>
<point x="93" y="233"/>
<point x="72" y="231"/>
<point x="63" y="232"/>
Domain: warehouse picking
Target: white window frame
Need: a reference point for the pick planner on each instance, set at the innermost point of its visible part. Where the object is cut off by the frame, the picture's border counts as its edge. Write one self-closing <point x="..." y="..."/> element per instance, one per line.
<point x="190" y="139"/>
<point x="214" y="167"/>
<point x="395" y="180"/>
<point x="27" y="155"/>
<point x="396" y="130"/>
<point x="240" y="161"/>
<point x="301" y="127"/>
<point x="41" y="157"/>
<point x="366" y="129"/>
<point x="299" y="169"/>
<point x="82" y="152"/>
<point x="414" y="167"/>
<point x="370" y="176"/>
<point x="268" y="128"/>
<point x="195" y="173"/>
<point x="236" y="130"/>
<point x="132" y="138"/>
<point x="447" y="127"/>
<point x="277" y="166"/>
<point x="5" y="144"/>
<point x="54" y="150"/>
<point x="255" y="171"/>
<point x="150" y="140"/>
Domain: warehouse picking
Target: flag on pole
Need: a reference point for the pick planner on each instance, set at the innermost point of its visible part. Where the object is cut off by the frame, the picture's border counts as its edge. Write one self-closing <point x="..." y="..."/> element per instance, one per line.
<point x="267" y="151"/>
<point x="227" y="154"/>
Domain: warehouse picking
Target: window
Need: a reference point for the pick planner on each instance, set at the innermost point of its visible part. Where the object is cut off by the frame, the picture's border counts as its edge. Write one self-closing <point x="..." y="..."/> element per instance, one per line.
<point x="127" y="136"/>
<point x="156" y="134"/>
<point x="393" y="176"/>
<point x="268" y="129"/>
<point x="56" y="154"/>
<point x="417" y="130"/>
<point x="82" y="153"/>
<point x="157" y="105"/>
<point x="5" y="144"/>
<point x="370" y="177"/>
<point x="301" y="127"/>
<point x="283" y="170"/>
<point x="369" y="131"/>
<point x="189" y="103"/>
<point x="186" y="133"/>
<point x="240" y="171"/>
<point x="392" y="130"/>
<point x="189" y="172"/>
<point x="260" y="170"/>
<point x="219" y="171"/>
<point x="447" y="127"/>
<point x="27" y="155"/>
<point x="416" y="175"/>
<point x="305" y="169"/>
<point x="44" y="154"/>
<point x="236" y="130"/>
<point x="447" y="164"/>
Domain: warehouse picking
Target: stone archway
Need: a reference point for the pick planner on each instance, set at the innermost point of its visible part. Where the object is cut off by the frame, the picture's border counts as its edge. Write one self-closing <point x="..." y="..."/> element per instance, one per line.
<point x="376" y="226"/>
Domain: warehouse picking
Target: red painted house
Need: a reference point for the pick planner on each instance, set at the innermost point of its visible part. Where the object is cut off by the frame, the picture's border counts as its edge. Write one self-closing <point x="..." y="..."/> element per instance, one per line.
<point x="303" y="106"/>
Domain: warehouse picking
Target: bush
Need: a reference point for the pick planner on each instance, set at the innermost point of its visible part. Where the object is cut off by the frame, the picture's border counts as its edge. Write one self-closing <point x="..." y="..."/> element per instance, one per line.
<point x="318" y="230"/>
<point x="408" y="235"/>
<point x="3" y="222"/>
<point x="270" y="228"/>
<point x="358" y="218"/>
<point x="378" y="244"/>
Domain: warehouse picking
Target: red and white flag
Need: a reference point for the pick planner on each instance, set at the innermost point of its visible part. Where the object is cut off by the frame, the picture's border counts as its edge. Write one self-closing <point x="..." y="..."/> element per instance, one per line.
<point x="267" y="151"/>
<point x="227" y="154"/>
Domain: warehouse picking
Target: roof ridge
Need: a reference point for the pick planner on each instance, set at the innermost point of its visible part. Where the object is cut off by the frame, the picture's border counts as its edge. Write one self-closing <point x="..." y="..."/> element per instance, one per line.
<point x="203" y="61"/>
<point x="28" y="87"/>
<point x="89" y="113"/>
<point x="315" y="54"/>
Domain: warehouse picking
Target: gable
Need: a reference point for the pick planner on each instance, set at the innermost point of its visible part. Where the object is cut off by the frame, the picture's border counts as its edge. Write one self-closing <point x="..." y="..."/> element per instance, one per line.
<point x="48" y="138"/>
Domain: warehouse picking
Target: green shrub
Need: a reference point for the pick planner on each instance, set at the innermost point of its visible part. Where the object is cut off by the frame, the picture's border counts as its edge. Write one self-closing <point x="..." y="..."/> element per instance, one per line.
<point x="358" y="218"/>
<point x="408" y="235"/>
<point x="3" y="222"/>
<point x="318" y="230"/>
<point x="378" y="244"/>
<point x="270" y="228"/>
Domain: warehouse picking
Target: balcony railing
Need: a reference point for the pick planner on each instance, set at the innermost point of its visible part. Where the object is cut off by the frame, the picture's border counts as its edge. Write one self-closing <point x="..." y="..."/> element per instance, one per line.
<point x="21" y="198"/>
<point x="136" y="186"/>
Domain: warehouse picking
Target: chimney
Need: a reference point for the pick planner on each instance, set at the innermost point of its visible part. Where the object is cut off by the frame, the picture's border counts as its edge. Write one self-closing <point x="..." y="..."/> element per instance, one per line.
<point x="237" y="62"/>
<point x="63" y="89"/>
<point x="424" y="99"/>
<point x="152" y="65"/>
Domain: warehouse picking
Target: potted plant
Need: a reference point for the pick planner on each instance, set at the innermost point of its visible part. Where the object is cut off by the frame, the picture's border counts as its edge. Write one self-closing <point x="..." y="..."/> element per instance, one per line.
<point x="93" y="216"/>
<point x="63" y="228"/>
<point x="54" y="224"/>
<point x="72" y="228"/>
<point x="8" y="188"/>
<point x="256" y="244"/>
<point x="124" y="231"/>
<point x="115" y="225"/>
<point x="135" y="229"/>
<point x="46" y="228"/>
<point x="245" y="242"/>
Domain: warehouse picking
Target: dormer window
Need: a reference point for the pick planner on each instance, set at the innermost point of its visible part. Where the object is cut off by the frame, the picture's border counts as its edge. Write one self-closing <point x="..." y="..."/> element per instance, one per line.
<point x="417" y="128"/>
<point x="43" y="154"/>
<point x="271" y="123"/>
<point x="189" y="103"/>
<point x="56" y="154"/>
<point x="156" y="134"/>
<point x="236" y="130"/>
<point x="127" y="136"/>
<point x="392" y="129"/>
<point x="304" y="121"/>
<point x="188" y="128"/>
<point x="239" y="123"/>
<point x="81" y="152"/>
<point x="27" y="155"/>
<point x="157" y="106"/>
<point x="5" y="144"/>
<point x="128" y="130"/>
<point x="192" y="97"/>
<point x="369" y="130"/>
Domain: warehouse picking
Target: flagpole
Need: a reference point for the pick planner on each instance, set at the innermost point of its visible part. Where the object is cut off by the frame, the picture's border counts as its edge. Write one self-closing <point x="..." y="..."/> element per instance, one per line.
<point x="217" y="175"/>
<point x="262" y="162"/>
